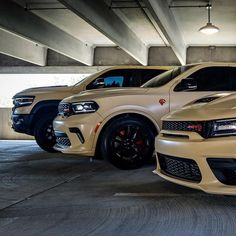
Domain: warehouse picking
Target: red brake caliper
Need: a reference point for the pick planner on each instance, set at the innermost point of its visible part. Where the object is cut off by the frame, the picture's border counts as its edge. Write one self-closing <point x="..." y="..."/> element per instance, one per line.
<point x="139" y="142"/>
<point x="122" y="132"/>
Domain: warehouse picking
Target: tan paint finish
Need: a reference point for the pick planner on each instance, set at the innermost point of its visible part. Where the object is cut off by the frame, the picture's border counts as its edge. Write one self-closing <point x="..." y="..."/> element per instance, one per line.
<point x="86" y="124"/>
<point x="142" y="101"/>
<point x="59" y="93"/>
<point x="192" y="146"/>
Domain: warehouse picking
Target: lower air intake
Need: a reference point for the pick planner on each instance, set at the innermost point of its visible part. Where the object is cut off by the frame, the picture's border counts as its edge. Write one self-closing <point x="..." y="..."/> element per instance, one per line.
<point x="181" y="168"/>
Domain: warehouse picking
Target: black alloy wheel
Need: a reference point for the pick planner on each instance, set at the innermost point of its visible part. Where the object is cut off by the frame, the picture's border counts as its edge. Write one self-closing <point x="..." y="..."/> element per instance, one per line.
<point x="44" y="133"/>
<point x="127" y="142"/>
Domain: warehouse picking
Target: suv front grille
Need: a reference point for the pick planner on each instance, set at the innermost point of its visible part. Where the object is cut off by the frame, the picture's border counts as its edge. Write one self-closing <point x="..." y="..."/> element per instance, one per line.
<point x="182" y="168"/>
<point x="204" y="128"/>
<point x="63" y="142"/>
<point x="62" y="139"/>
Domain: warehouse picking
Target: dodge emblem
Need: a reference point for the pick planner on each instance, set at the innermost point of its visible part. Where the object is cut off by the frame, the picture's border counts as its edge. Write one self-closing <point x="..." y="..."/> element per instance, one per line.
<point x="162" y="101"/>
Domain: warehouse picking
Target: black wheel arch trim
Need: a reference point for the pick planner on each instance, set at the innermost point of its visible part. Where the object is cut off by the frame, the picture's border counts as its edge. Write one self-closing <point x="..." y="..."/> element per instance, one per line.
<point x="147" y="119"/>
<point x="43" y="104"/>
<point x="39" y="107"/>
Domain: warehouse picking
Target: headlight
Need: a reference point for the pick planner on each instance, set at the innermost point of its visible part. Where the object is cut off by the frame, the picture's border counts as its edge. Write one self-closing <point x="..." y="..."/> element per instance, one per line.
<point x="23" y="101"/>
<point x="84" y="107"/>
<point x="224" y="127"/>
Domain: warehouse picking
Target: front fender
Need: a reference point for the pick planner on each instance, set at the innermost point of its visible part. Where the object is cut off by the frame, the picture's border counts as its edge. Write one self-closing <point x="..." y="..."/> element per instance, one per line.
<point x="146" y="114"/>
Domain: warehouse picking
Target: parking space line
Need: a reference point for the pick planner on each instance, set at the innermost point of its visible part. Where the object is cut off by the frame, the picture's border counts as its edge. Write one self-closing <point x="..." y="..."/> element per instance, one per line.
<point x="156" y="194"/>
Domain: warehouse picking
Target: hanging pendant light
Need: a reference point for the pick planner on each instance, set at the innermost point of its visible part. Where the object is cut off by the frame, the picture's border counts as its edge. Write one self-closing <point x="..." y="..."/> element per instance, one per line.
<point x="209" y="28"/>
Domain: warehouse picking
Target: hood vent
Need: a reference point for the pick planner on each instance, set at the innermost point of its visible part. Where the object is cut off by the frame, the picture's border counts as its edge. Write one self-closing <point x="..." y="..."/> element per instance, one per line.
<point x="205" y="100"/>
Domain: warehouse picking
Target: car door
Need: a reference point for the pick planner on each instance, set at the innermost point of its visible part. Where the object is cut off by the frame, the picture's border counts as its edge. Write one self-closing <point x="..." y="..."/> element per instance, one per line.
<point x="141" y="76"/>
<point x="205" y="81"/>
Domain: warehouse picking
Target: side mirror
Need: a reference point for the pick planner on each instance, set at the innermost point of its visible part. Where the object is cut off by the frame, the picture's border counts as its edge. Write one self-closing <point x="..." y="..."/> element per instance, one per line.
<point x="97" y="83"/>
<point x="187" y="84"/>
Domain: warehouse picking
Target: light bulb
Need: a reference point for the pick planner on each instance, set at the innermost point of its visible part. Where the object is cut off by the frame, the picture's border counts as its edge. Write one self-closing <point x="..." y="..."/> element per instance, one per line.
<point x="209" y="29"/>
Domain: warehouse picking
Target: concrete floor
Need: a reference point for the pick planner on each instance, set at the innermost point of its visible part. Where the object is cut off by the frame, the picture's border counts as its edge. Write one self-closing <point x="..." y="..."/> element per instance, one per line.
<point x="56" y="194"/>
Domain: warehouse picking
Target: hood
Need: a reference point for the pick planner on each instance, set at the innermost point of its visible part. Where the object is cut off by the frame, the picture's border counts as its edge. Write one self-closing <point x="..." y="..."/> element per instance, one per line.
<point x="43" y="90"/>
<point x="221" y="108"/>
<point x="107" y="92"/>
<point x="208" y="98"/>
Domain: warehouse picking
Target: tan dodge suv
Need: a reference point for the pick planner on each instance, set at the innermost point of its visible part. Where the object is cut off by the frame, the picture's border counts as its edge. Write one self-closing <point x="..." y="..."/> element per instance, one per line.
<point x="196" y="147"/>
<point x="120" y="124"/>
<point x="34" y="109"/>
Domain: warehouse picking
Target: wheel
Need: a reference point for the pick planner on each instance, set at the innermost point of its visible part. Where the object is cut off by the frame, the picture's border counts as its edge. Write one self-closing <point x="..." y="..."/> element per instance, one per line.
<point x="44" y="133"/>
<point x="127" y="142"/>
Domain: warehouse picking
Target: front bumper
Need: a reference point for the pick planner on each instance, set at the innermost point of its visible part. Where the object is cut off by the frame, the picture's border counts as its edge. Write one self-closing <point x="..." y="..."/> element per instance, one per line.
<point x="76" y="134"/>
<point x="199" y="150"/>
<point x="21" y="123"/>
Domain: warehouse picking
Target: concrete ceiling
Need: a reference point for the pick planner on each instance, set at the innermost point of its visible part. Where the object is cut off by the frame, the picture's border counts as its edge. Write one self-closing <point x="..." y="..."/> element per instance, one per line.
<point x="133" y="26"/>
<point x="74" y="25"/>
<point x="223" y="15"/>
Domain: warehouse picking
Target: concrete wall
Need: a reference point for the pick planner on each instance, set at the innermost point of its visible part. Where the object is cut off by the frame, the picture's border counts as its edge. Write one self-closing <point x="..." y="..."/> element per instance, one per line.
<point x="162" y="56"/>
<point x="211" y="53"/>
<point x="108" y="56"/>
<point x="112" y="56"/>
<point x="116" y="56"/>
<point x="6" y="132"/>
<point x="57" y="59"/>
<point x="103" y="56"/>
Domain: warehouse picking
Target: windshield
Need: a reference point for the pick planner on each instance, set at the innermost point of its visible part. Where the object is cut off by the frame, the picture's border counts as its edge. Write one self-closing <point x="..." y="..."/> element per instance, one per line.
<point x="166" y="77"/>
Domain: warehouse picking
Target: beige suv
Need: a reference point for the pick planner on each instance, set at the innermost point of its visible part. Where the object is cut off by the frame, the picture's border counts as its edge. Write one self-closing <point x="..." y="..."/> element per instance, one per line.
<point x="196" y="147"/>
<point x="120" y="124"/>
<point x="34" y="109"/>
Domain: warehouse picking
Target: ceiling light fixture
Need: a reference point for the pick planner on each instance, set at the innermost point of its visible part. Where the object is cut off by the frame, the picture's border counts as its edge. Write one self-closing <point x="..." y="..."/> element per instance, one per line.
<point x="209" y="28"/>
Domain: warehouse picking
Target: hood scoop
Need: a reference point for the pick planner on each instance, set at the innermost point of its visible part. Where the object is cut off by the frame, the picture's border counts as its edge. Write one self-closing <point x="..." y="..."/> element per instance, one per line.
<point x="205" y="100"/>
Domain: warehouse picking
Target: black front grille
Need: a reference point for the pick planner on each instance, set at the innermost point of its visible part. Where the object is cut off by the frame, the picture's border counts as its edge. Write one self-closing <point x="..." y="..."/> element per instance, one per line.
<point x="204" y="128"/>
<point x="64" y="109"/>
<point x="63" y="142"/>
<point x="182" y="168"/>
<point x="62" y="139"/>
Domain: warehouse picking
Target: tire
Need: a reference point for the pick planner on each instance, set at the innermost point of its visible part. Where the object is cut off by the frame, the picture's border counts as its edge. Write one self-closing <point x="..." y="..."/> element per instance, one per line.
<point x="44" y="134"/>
<point x="127" y="142"/>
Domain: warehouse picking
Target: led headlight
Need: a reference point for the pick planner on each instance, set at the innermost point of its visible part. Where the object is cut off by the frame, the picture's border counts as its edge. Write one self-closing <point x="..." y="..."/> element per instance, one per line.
<point x="23" y="101"/>
<point x="85" y="107"/>
<point x="224" y="127"/>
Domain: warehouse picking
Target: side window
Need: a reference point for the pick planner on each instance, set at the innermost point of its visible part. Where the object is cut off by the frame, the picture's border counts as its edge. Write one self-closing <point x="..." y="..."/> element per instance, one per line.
<point x="141" y="76"/>
<point x="207" y="79"/>
<point x="123" y="78"/>
<point x="233" y="78"/>
<point x="114" y="78"/>
<point x="147" y="74"/>
<point x="113" y="81"/>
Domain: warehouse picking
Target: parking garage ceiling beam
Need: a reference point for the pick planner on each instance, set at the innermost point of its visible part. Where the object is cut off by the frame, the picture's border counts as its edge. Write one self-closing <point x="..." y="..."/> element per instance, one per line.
<point x="164" y="18"/>
<point x="15" y="46"/>
<point x="24" y="23"/>
<point x="98" y="14"/>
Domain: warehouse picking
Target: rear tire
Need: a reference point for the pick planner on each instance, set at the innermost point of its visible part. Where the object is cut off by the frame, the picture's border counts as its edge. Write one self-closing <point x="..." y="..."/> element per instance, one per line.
<point x="127" y="142"/>
<point x="44" y="133"/>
